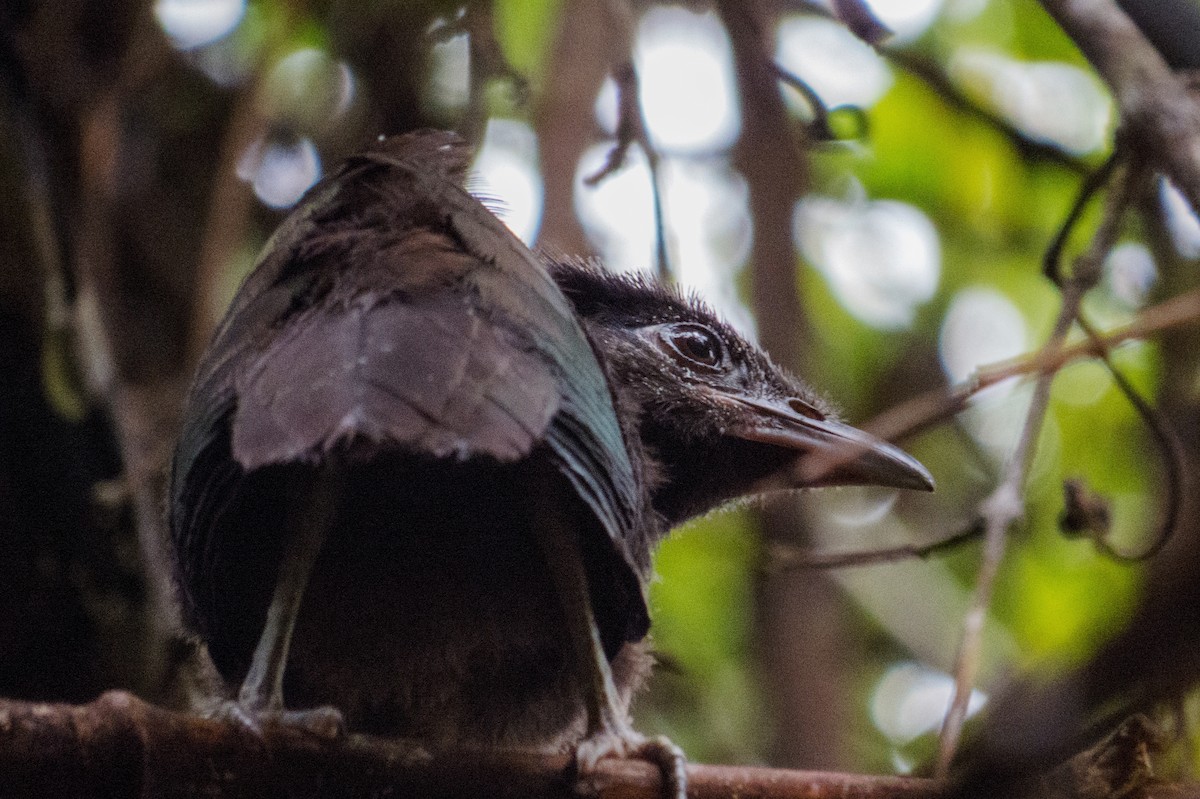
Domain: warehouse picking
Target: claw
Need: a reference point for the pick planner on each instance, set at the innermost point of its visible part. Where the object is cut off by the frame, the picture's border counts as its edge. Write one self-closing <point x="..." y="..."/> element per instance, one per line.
<point x="621" y="741"/>
<point x="671" y="762"/>
<point x="325" y="722"/>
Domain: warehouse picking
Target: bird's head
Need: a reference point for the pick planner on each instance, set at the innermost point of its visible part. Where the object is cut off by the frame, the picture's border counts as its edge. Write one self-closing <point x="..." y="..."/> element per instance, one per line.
<point x="719" y="418"/>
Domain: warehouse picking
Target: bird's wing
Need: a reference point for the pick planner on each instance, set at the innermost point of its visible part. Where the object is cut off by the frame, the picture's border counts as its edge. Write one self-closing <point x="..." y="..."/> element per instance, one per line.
<point x="435" y="373"/>
<point x="392" y="306"/>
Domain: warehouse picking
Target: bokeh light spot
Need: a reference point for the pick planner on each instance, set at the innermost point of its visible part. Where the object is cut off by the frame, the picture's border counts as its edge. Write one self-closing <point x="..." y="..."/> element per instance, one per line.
<point x="195" y="23"/>
<point x="840" y="68"/>
<point x="1051" y="101"/>
<point x="1181" y="220"/>
<point x="911" y="699"/>
<point x="308" y="90"/>
<point x="907" y="19"/>
<point x="450" y="73"/>
<point x="686" y="80"/>
<point x="707" y="223"/>
<point x="1130" y="273"/>
<point x="882" y="259"/>
<point x="506" y="167"/>
<point x="982" y="326"/>
<point x="280" y="171"/>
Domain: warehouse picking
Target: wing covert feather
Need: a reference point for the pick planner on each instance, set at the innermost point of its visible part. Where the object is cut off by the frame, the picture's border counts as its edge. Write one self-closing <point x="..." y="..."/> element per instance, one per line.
<point x="433" y="376"/>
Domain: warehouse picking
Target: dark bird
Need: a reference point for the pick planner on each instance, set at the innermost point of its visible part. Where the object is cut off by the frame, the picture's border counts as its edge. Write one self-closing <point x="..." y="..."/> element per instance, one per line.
<point x="422" y="472"/>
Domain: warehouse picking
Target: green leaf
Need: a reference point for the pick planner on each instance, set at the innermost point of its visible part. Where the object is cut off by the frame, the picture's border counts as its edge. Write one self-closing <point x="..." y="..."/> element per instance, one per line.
<point x="525" y="30"/>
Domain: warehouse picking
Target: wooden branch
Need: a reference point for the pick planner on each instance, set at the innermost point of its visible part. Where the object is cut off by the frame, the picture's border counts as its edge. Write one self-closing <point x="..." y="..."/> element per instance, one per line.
<point x="120" y="746"/>
<point x="936" y="406"/>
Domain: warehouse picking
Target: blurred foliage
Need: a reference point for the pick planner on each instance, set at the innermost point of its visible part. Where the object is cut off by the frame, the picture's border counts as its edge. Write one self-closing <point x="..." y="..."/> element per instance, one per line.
<point x="525" y="29"/>
<point x="995" y="211"/>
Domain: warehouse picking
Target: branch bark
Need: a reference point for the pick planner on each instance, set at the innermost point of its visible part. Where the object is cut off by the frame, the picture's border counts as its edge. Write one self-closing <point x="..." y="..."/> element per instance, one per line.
<point x="120" y="746"/>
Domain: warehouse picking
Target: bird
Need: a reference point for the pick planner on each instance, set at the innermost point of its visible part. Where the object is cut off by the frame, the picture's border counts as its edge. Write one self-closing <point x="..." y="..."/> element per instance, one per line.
<point x="422" y="470"/>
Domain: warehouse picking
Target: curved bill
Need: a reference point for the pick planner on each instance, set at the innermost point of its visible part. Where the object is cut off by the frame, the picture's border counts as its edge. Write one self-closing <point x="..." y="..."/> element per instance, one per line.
<point x="831" y="453"/>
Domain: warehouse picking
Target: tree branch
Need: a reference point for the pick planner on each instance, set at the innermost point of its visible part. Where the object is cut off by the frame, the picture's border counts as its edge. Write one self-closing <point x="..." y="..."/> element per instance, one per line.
<point x="936" y="406"/>
<point x="120" y="746"/>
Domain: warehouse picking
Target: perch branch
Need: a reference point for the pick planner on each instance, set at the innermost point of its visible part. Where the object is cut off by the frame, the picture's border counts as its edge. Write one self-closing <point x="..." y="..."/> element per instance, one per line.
<point x="119" y="746"/>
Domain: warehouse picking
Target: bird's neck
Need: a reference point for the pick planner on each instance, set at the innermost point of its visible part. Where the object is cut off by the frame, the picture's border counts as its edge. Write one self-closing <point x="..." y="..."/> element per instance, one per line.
<point x="700" y="475"/>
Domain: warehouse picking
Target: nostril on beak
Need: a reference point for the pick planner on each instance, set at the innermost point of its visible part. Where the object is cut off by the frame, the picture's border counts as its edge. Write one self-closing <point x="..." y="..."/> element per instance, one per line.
<point x="804" y="409"/>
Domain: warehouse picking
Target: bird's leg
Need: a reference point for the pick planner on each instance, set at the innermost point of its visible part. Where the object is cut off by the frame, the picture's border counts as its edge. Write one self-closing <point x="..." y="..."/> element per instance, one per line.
<point x="609" y="733"/>
<point x="260" y="697"/>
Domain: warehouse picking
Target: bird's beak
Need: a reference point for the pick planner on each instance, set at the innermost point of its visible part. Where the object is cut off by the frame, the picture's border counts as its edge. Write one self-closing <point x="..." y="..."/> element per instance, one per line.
<point x="829" y="453"/>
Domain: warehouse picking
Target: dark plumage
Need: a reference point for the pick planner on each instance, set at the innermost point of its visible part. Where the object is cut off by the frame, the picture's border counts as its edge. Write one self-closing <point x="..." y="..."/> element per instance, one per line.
<point x="484" y="458"/>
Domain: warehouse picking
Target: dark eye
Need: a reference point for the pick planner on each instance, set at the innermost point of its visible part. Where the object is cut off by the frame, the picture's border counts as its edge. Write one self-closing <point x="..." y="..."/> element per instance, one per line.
<point x="694" y="345"/>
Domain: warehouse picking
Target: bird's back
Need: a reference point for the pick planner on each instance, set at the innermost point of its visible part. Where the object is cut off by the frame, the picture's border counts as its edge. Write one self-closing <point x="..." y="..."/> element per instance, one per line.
<point x="396" y="332"/>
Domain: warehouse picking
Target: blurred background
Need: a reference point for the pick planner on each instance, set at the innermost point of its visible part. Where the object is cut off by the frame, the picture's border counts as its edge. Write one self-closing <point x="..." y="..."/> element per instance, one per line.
<point x="148" y="149"/>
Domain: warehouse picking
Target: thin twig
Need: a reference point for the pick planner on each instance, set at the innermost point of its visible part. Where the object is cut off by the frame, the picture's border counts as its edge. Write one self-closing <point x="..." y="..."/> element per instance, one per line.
<point x="860" y="20"/>
<point x="631" y="128"/>
<point x="818" y="129"/>
<point x="488" y="62"/>
<point x="783" y="557"/>
<point x="1006" y="504"/>
<point x="934" y="407"/>
<point x="1167" y="443"/>
<point x="1096" y="180"/>
<point x="1170" y="450"/>
<point x="934" y="76"/>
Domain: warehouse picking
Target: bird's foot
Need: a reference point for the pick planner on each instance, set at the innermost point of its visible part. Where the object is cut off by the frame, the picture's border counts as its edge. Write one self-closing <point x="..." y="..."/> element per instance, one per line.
<point x="324" y="722"/>
<point x="618" y="739"/>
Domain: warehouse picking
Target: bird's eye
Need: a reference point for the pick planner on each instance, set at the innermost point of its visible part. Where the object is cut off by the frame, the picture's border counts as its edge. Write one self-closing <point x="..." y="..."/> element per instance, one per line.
<point x="694" y="345"/>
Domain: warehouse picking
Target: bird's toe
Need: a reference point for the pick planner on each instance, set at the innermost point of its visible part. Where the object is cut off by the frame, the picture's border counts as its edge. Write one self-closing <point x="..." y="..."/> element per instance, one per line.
<point x="624" y="742"/>
<point x="322" y="722"/>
